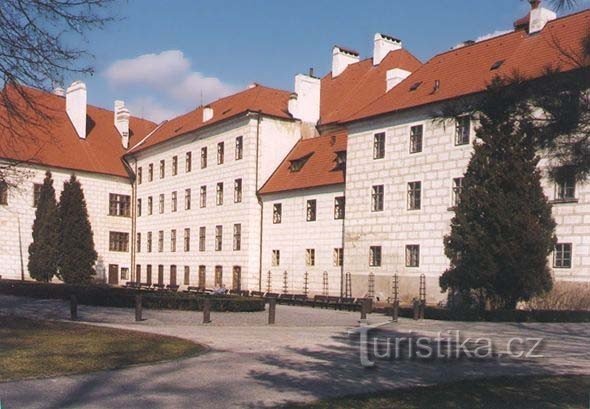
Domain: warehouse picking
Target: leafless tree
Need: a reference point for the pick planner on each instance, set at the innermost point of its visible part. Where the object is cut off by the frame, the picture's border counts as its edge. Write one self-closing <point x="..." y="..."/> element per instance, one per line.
<point x="39" y="46"/>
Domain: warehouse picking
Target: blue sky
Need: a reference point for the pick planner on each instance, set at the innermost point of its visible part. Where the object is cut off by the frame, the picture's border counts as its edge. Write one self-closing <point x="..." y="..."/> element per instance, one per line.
<point x="161" y="56"/>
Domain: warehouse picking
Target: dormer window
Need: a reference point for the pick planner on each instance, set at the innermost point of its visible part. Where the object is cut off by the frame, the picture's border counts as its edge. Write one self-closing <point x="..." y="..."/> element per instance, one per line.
<point x="340" y="160"/>
<point x="497" y="65"/>
<point x="415" y="86"/>
<point x="297" y="164"/>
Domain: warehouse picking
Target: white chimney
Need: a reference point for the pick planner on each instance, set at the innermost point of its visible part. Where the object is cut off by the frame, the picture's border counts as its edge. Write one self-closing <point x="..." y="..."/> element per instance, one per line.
<point x="383" y="45"/>
<point x="394" y="77"/>
<point x="122" y="116"/>
<point x="59" y="91"/>
<point x="207" y="113"/>
<point x="342" y="58"/>
<point x="539" y="16"/>
<point x="304" y="103"/>
<point x="76" y="99"/>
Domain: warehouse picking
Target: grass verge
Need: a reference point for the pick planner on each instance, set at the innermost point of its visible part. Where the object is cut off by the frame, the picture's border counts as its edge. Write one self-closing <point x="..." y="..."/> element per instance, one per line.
<point x="39" y="349"/>
<point x="547" y="392"/>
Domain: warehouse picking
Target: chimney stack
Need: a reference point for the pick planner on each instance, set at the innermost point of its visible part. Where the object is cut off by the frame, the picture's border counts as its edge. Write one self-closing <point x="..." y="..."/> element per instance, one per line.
<point x="76" y="100"/>
<point x="383" y="45"/>
<point x="342" y="58"/>
<point x="121" y="114"/>
<point x="207" y="113"/>
<point x="304" y="103"/>
<point x="539" y="16"/>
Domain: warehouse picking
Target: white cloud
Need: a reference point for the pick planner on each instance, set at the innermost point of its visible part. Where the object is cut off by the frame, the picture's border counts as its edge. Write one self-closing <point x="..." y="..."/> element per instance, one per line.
<point x="164" y="84"/>
<point x="496" y="33"/>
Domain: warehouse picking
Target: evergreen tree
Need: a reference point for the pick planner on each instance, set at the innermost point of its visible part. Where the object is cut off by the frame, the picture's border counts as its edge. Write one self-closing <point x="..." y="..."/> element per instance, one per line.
<point x="503" y="230"/>
<point x="43" y="251"/>
<point x="76" y="244"/>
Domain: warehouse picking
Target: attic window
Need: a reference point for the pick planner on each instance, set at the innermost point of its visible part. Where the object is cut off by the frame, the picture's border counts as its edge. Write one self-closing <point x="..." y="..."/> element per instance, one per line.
<point x="497" y="65"/>
<point x="340" y="160"/>
<point x="415" y="86"/>
<point x="297" y="164"/>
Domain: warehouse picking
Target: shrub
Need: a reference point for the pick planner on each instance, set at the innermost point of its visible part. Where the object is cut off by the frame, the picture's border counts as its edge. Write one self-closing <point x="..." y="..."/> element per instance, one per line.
<point x="564" y="296"/>
<point x="102" y="295"/>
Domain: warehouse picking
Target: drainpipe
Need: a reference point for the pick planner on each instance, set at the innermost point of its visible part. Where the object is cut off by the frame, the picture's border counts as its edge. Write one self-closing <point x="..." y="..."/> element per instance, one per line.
<point x="259" y="202"/>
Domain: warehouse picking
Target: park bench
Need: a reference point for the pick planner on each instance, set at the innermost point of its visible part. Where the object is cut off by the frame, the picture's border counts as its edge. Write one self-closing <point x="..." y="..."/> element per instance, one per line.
<point x="145" y="286"/>
<point x="300" y="299"/>
<point x="271" y="295"/>
<point x="257" y="294"/>
<point x="172" y="287"/>
<point x="158" y="287"/>
<point x="192" y="289"/>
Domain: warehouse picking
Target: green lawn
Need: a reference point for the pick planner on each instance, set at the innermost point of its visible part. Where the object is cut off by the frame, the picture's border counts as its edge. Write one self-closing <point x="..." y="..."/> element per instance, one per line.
<point x="559" y="392"/>
<point x="37" y="349"/>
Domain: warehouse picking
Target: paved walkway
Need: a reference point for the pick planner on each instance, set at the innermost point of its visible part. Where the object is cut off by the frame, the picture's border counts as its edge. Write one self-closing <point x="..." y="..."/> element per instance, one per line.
<point x="308" y="355"/>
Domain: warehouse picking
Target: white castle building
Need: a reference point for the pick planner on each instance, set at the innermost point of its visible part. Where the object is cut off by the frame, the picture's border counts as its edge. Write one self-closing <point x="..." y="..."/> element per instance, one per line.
<point x="330" y="189"/>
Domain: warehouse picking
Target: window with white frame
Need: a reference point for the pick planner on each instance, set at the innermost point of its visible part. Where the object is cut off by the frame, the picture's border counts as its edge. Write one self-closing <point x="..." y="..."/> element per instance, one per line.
<point x="416" y="135"/>
<point x="139" y="175"/>
<point x="202" y="238"/>
<point x="414" y="195"/>
<point x="375" y="256"/>
<point x="219" y="194"/>
<point x="412" y="255"/>
<point x="238" y="190"/>
<point x="457" y="190"/>
<point x="174" y="201"/>
<point x="377" y="198"/>
<point x="220" y="153"/>
<point x="311" y="210"/>
<point x="150" y="205"/>
<point x="203" y="157"/>
<point x="187" y="240"/>
<point x="188" y="162"/>
<point x="239" y="147"/>
<point x="379" y="145"/>
<point x="151" y="172"/>
<point x="138" y="242"/>
<point x="162" y="198"/>
<point x="463" y="130"/>
<point x="565" y="185"/>
<point x="138" y="207"/>
<point x="173" y="240"/>
<point x="237" y="237"/>
<point x="310" y="257"/>
<point x="277" y="213"/>
<point x="338" y="257"/>
<point x="276" y="258"/>
<point x="187" y="199"/>
<point x="174" y="165"/>
<point x="160" y="241"/>
<point x="218" y="238"/>
<point x="149" y="242"/>
<point x="119" y="205"/>
<point x="203" y="196"/>
<point x="562" y="255"/>
<point x="162" y="169"/>
<point x="118" y="241"/>
<point x="339" y="207"/>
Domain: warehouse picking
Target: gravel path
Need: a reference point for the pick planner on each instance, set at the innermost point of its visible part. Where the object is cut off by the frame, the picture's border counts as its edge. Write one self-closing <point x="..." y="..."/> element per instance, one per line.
<point x="307" y="355"/>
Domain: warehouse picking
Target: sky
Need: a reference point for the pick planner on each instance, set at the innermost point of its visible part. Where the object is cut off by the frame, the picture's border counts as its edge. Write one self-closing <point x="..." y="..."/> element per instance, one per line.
<point x="164" y="58"/>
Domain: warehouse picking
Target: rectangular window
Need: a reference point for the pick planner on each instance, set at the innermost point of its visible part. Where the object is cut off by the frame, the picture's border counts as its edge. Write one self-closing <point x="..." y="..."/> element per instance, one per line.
<point x="118" y="241"/>
<point x="203" y="157"/>
<point x="187" y="275"/>
<point x="218" y="276"/>
<point x="416" y="138"/>
<point x="174" y="165"/>
<point x="203" y="196"/>
<point x="202" y="238"/>
<point x="148" y="274"/>
<point x="138" y="207"/>
<point x="379" y="145"/>
<point x="150" y="172"/>
<point x="311" y="210"/>
<point x="338" y="257"/>
<point x="139" y="175"/>
<point x="310" y="257"/>
<point x="339" y="204"/>
<point x="187" y="239"/>
<point x="565" y="186"/>
<point x="277" y="213"/>
<point x="172" y="275"/>
<point x="562" y="256"/>
<point x="412" y="255"/>
<point x="188" y="162"/>
<point x="149" y="242"/>
<point x="218" y="238"/>
<point x="162" y="198"/>
<point x="377" y="198"/>
<point x="236" y="282"/>
<point x="173" y="240"/>
<point x="457" y="189"/>
<point x="237" y="237"/>
<point x="276" y="258"/>
<point x="138" y="243"/>
<point x="124" y="273"/>
<point x="414" y="195"/>
<point x="3" y="193"/>
<point x="219" y="194"/>
<point x="239" y="147"/>
<point x="187" y="199"/>
<point x="138" y="273"/>
<point x="220" y="153"/>
<point x="162" y="169"/>
<point x="119" y="205"/>
<point x="463" y="131"/>
<point x="150" y="205"/>
<point x="36" y="193"/>
<point x="160" y="274"/>
<point x="174" y="202"/>
<point x="160" y="241"/>
<point x="375" y="256"/>
<point x="202" y="276"/>
<point x="238" y="191"/>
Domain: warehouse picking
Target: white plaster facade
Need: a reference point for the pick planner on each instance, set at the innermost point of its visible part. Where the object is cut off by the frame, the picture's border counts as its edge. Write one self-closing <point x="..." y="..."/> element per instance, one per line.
<point x="266" y="141"/>
<point x="16" y="218"/>
<point x="294" y="235"/>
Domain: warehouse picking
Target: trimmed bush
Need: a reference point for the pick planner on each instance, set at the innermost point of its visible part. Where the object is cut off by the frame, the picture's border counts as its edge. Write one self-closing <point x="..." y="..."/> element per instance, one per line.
<point x="105" y="296"/>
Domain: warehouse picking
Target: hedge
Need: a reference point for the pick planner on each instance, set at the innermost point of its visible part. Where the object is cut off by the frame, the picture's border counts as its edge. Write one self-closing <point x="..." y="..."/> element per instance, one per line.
<point x="443" y="314"/>
<point x="106" y="296"/>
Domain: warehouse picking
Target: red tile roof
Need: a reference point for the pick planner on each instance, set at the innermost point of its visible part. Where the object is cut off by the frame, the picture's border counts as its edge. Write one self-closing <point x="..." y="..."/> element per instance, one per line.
<point x="54" y="141"/>
<point x="270" y="101"/>
<point x="359" y="85"/>
<point x="466" y="70"/>
<point x="320" y="169"/>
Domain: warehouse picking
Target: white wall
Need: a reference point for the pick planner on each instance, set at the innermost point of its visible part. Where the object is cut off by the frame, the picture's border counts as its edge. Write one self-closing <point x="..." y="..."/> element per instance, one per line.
<point x="294" y="235"/>
<point x="16" y="219"/>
